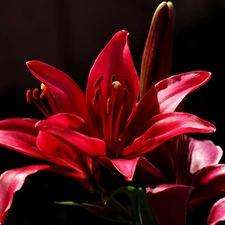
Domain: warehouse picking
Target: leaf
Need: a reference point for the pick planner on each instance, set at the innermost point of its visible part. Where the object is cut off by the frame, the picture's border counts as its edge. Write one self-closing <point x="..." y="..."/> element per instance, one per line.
<point x="145" y="214"/>
<point x="101" y="210"/>
<point x="134" y="198"/>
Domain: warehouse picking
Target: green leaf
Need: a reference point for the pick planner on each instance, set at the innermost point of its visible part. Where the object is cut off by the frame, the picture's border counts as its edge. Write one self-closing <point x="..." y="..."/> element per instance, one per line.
<point x="128" y="190"/>
<point x="99" y="209"/>
<point x="145" y="214"/>
<point x="131" y="192"/>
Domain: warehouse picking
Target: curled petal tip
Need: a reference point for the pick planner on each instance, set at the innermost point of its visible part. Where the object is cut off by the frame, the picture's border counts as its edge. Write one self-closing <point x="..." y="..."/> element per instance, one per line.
<point x="212" y="128"/>
<point x="29" y="63"/>
<point x="124" y="32"/>
<point x="37" y="125"/>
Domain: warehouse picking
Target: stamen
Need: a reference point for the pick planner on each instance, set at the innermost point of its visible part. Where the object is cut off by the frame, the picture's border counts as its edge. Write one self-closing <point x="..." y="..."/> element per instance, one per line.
<point x="51" y="101"/>
<point x="34" y="97"/>
<point x="96" y="97"/>
<point x="43" y="88"/>
<point x="128" y="86"/>
<point x="98" y="81"/>
<point x="39" y="105"/>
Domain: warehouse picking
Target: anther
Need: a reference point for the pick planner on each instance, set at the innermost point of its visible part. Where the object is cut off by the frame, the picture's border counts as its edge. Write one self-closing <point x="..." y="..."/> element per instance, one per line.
<point x="113" y="78"/>
<point x="98" y="81"/>
<point x="125" y="95"/>
<point x="42" y="94"/>
<point x="128" y="86"/>
<point x="35" y="94"/>
<point x="109" y="106"/>
<point x="96" y="97"/>
<point x="28" y="96"/>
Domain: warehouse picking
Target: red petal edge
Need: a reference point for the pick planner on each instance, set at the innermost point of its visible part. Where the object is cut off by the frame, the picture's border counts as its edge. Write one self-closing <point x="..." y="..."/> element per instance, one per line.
<point x="12" y="181"/>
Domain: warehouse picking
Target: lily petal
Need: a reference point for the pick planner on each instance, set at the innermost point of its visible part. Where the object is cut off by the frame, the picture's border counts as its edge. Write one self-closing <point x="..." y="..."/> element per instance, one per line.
<point x="126" y="167"/>
<point x="12" y="181"/>
<point x="67" y="120"/>
<point x="217" y="214"/>
<point x="20" y="135"/>
<point x="161" y="201"/>
<point x="165" y="126"/>
<point x="165" y="96"/>
<point x="59" y="153"/>
<point x="68" y="95"/>
<point x="114" y="63"/>
<point x="203" y="153"/>
<point x="165" y="165"/>
<point x="89" y="146"/>
<point x="209" y="182"/>
<point x="149" y="172"/>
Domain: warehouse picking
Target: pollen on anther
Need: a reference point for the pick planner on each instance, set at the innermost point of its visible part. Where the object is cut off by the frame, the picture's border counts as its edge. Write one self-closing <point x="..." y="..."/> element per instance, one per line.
<point x="98" y="81"/>
<point x="116" y="84"/>
<point x="96" y="96"/>
<point x="42" y="86"/>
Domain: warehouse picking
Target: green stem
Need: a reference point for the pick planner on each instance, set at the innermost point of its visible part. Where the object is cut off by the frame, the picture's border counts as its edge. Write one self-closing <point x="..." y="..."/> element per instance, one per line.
<point x="116" y="204"/>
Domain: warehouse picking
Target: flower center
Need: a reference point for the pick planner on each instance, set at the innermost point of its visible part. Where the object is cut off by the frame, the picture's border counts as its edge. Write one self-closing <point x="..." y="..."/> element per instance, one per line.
<point x="36" y="97"/>
<point x="111" y="105"/>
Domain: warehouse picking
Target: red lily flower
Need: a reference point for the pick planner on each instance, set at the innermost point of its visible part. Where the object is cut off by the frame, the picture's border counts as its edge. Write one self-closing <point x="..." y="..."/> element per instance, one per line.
<point x="120" y="127"/>
<point x="108" y="123"/>
<point x="189" y="171"/>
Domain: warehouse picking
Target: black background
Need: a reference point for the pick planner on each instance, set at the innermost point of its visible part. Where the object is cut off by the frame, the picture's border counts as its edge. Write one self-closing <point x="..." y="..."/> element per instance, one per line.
<point x="69" y="35"/>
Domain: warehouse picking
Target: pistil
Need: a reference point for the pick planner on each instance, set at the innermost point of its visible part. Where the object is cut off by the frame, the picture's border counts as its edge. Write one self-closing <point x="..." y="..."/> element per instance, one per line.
<point x="109" y="114"/>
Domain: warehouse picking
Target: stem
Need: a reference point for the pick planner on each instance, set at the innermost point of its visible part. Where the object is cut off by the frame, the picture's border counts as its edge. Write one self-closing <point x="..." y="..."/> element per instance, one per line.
<point x="116" y="204"/>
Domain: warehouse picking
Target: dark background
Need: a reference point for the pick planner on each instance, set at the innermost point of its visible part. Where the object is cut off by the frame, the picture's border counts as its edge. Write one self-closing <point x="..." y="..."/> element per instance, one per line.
<point x="69" y="35"/>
